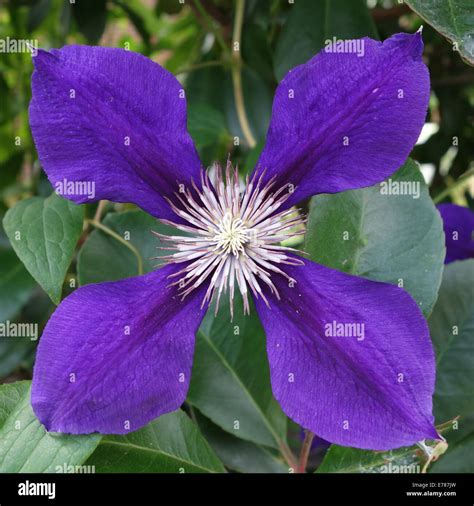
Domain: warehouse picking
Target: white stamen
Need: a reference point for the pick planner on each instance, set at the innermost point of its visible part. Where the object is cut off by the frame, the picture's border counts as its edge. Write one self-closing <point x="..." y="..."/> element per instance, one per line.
<point x="234" y="237"/>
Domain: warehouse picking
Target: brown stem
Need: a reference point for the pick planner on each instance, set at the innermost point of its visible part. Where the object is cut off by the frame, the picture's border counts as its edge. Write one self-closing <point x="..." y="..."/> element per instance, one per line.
<point x="305" y="449"/>
<point x="288" y="455"/>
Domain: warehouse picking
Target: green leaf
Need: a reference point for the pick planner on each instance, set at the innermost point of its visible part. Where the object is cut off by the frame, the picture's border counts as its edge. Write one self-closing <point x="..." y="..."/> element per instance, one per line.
<point x="238" y="454"/>
<point x="213" y="86"/>
<point x="452" y="18"/>
<point x="37" y="14"/>
<point x="16" y="284"/>
<point x="206" y="125"/>
<point x="312" y="22"/>
<point x="452" y="331"/>
<point x="25" y="446"/>
<point x="230" y="381"/>
<point x="104" y="258"/>
<point x="385" y="237"/>
<point x="90" y="17"/>
<point x="15" y="352"/>
<point x="256" y="51"/>
<point x="170" y="444"/>
<point x="44" y="233"/>
<point x="340" y="459"/>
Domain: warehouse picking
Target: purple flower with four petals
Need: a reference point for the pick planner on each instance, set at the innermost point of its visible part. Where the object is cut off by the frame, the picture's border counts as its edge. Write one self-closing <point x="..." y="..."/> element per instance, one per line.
<point x="116" y="355"/>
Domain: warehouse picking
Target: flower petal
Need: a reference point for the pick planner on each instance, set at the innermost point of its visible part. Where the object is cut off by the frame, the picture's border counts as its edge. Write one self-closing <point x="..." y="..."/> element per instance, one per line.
<point x="341" y="121"/>
<point x="373" y="390"/>
<point x="458" y="225"/>
<point x="113" y="118"/>
<point x="116" y="355"/>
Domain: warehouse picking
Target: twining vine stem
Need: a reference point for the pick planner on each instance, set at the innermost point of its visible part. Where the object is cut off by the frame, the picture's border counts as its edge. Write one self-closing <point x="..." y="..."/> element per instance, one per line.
<point x="100" y="210"/>
<point x="210" y="24"/>
<point x="119" y="238"/>
<point x="305" y="449"/>
<point x="237" y="73"/>
<point x="288" y="455"/>
<point x="201" y="65"/>
<point x="460" y="182"/>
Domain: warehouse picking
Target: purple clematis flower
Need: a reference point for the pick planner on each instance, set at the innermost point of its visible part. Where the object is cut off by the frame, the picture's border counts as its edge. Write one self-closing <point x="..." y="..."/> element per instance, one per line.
<point x="458" y="225"/>
<point x="116" y="355"/>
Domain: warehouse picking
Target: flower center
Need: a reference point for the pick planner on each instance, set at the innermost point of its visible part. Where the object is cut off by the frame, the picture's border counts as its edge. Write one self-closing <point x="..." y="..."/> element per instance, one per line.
<point x="233" y="237"/>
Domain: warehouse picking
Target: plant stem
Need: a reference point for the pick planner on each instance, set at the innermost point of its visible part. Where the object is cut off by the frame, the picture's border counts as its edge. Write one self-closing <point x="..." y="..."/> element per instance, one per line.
<point x="305" y="449"/>
<point x="100" y="210"/>
<point x="237" y="73"/>
<point x="201" y="65"/>
<point x="119" y="238"/>
<point x="288" y="455"/>
<point x="210" y="24"/>
<point x="446" y="192"/>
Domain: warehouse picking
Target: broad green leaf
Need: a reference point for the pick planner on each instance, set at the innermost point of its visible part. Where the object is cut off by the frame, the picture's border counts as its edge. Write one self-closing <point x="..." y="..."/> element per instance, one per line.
<point x="408" y="459"/>
<point x="16" y="284"/>
<point x="452" y="18"/>
<point x="452" y="332"/>
<point x="252" y="159"/>
<point x="17" y="348"/>
<point x="213" y="86"/>
<point x="340" y="459"/>
<point x="312" y="22"/>
<point x="37" y="14"/>
<point x="15" y="352"/>
<point x="230" y="381"/>
<point x="208" y="129"/>
<point x="90" y="18"/>
<point x="392" y="238"/>
<point x="170" y="444"/>
<point x="104" y="258"/>
<point x="256" y="50"/>
<point x="44" y="233"/>
<point x="258" y="98"/>
<point x="238" y="454"/>
<point x="205" y="125"/>
<point x="25" y="446"/>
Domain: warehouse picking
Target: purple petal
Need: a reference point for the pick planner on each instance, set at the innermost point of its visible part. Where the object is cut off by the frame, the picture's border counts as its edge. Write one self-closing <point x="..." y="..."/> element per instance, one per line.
<point x="340" y="121"/>
<point x="369" y="391"/>
<point x="116" y="355"/>
<point x="113" y="118"/>
<point x="458" y="224"/>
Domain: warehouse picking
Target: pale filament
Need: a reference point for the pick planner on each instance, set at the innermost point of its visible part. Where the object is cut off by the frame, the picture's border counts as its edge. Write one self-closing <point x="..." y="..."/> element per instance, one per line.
<point x="233" y="237"/>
